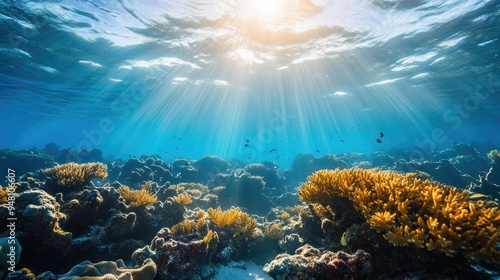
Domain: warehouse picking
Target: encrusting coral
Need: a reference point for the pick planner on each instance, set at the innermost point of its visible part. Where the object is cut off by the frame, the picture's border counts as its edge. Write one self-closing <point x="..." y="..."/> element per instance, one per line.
<point x="137" y="198"/>
<point x="73" y="175"/>
<point x="409" y="210"/>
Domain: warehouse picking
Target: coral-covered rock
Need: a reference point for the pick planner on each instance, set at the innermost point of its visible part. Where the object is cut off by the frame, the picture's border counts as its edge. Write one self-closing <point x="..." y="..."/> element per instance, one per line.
<point x="72" y="176"/>
<point x="82" y="210"/>
<point x="243" y="189"/>
<point x="38" y="228"/>
<point x="177" y="259"/>
<point x="311" y="263"/>
<point x="269" y="173"/>
<point x="291" y="242"/>
<point x="23" y="161"/>
<point x="105" y="270"/>
<point x="135" y="172"/>
<point x="442" y="171"/>
<point x="408" y="210"/>
<point x="305" y="164"/>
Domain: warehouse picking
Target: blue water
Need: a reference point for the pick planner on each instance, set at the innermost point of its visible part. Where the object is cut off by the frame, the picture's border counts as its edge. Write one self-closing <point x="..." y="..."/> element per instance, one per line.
<point x="195" y="78"/>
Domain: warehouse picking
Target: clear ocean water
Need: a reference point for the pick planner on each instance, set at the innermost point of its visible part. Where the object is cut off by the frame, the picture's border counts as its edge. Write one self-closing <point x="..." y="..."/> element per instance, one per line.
<point x="252" y="80"/>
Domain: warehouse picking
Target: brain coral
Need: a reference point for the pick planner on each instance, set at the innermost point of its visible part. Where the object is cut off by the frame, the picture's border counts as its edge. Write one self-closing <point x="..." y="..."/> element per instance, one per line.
<point x="409" y="210"/>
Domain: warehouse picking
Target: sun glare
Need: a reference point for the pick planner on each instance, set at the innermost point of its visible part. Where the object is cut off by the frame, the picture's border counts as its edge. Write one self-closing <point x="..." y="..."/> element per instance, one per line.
<point x="267" y="8"/>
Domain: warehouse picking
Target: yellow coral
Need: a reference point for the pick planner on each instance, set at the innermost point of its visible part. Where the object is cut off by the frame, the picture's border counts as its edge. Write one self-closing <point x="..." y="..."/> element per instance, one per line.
<point x="4" y="194"/>
<point x="210" y="235"/>
<point x="76" y="175"/>
<point x="233" y="219"/>
<point x="189" y="187"/>
<point x="409" y="210"/>
<point x="183" y="199"/>
<point x="184" y="227"/>
<point x="274" y="231"/>
<point x="137" y="198"/>
<point x="285" y="216"/>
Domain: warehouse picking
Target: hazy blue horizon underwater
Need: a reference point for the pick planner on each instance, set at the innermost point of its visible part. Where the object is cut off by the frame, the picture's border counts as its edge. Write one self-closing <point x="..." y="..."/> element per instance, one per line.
<point x="246" y="79"/>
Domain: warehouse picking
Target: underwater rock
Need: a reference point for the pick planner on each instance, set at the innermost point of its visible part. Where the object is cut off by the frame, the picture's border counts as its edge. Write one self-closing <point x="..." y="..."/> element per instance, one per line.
<point x="269" y="173"/>
<point x="105" y="270"/>
<point x="30" y="180"/>
<point x="136" y="172"/>
<point x="208" y="167"/>
<point x="38" y="218"/>
<point x="8" y="257"/>
<point x="305" y="164"/>
<point x="184" y="170"/>
<point x="291" y="242"/>
<point x="177" y="260"/>
<point x="244" y="190"/>
<point x="473" y="166"/>
<point x="311" y="263"/>
<point x="442" y="171"/>
<point x="382" y="160"/>
<point x="493" y="175"/>
<point x="82" y="210"/>
<point x="23" y="161"/>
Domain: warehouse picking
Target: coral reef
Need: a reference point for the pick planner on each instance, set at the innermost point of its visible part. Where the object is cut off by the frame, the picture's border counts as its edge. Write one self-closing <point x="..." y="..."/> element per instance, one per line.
<point x="411" y="211"/>
<point x="311" y="263"/>
<point x="105" y="270"/>
<point x="178" y="259"/>
<point x="24" y="160"/>
<point x="137" y="198"/>
<point x="305" y="165"/>
<point x="136" y="172"/>
<point x="493" y="175"/>
<point x="71" y="176"/>
<point x="244" y="190"/>
<point x="38" y="227"/>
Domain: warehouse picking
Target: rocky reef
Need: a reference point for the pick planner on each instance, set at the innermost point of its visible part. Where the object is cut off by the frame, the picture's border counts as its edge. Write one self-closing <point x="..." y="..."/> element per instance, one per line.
<point x="331" y="217"/>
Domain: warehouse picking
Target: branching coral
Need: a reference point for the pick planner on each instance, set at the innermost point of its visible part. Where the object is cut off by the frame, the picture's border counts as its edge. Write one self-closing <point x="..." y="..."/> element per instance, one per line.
<point x="72" y="175"/>
<point x="274" y="231"/>
<point x="184" y="198"/>
<point x="137" y="198"/>
<point x="235" y="219"/>
<point x="409" y="210"/>
<point x="3" y="194"/>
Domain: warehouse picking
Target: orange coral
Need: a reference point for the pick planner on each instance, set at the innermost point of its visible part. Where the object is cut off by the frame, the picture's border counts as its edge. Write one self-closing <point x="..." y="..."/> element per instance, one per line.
<point x="137" y="198"/>
<point x="409" y="210"/>
<point x="75" y="175"/>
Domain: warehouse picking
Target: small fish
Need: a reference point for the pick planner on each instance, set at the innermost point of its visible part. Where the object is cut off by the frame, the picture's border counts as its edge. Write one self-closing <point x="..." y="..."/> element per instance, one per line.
<point x="342" y="240"/>
<point x="246" y="145"/>
<point x="478" y="195"/>
<point x="342" y="141"/>
<point x="379" y="141"/>
<point x="247" y="140"/>
<point x="317" y="151"/>
<point x="381" y="134"/>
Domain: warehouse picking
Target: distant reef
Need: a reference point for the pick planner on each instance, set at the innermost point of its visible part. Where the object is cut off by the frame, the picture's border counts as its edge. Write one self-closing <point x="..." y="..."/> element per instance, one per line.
<point x="388" y="215"/>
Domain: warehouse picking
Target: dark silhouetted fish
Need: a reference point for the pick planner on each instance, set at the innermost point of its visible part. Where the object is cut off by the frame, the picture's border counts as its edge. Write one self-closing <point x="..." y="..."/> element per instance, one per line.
<point x="379" y="141"/>
<point x="381" y="134"/>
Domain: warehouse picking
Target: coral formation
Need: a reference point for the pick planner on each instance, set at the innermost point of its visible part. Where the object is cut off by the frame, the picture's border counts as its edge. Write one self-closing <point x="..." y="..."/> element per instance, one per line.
<point x="178" y="260"/>
<point x="310" y="263"/>
<point x="73" y="175"/>
<point x="184" y="198"/>
<point x="412" y="211"/>
<point x="106" y="270"/>
<point x="137" y="198"/>
<point x="234" y="220"/>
